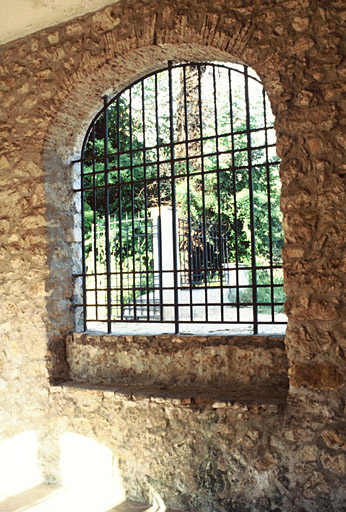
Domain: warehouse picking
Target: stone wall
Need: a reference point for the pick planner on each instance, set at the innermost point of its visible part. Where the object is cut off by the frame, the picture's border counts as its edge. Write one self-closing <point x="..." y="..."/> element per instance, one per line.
<point x="225" y="363"/>
<point x="241" y="456"/>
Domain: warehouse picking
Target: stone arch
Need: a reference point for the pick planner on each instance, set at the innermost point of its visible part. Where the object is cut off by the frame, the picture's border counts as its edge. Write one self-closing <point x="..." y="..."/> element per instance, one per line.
<point x="125" y="53"/>
<point x="128" y="40"/>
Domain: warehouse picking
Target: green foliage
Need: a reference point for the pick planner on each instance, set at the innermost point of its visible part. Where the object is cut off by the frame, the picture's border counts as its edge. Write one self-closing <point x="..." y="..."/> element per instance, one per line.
<point x="264" y="293"/>
<point x="214" y="186"/>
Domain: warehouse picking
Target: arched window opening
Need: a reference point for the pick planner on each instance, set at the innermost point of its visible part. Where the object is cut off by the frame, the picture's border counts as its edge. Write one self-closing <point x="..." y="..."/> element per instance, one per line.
<point x="180" y="206"/>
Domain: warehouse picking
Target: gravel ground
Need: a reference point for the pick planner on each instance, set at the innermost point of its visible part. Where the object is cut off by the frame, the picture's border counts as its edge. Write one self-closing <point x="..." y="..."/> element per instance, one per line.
<point x="246" y="315"/>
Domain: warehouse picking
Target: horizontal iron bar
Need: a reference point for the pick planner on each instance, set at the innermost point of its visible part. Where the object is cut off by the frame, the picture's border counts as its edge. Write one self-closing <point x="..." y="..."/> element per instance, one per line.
<point x="168" y="145"/>
<point x="168" y="178"/>
<point x="217" y="322"/>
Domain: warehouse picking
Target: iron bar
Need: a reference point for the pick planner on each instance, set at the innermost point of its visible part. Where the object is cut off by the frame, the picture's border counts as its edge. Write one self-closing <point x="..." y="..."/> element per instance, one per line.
<point x="204" y="234"/>
<point x="252" y="208"/>
<point x="158" y="226"/>
<point x="218" y="195"/>
<point x="120" y="216"/>
<point x="145" y="202"/>
<point x="84" y="286"/>
<point x="234" y="185"/>
<point x="178" y="176"/>
<point x="148" y="161"/>
<point x="132" y="212"/>
<point x="188" y="191"/>
<point x="95" y="224"/>
<point x="174" y="202"/>
<point x="205" y="138"/>
<point x="109" y="297"/>
<point x="270" y="233"/>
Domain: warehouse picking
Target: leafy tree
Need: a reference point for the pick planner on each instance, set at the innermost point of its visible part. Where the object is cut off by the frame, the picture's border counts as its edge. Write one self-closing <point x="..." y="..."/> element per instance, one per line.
<point x="216" y="172"/>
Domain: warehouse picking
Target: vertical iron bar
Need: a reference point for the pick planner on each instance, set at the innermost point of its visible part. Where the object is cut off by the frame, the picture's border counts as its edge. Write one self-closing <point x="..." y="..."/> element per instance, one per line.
<point x="189" y="257"/>
<point x="251" y="198"/>
<point x="145" y="203"/>
<point x="113" y="237"/>
<point x="174" y="203"/>
<point x="198" y="253"/>
<point x="158" y="226"/>
<point x="83" y="249"/>
<point x="133" y="213"/>
<point x="216" y="256"/>
<point x="94" y="241"/>
<point x="127" y="255"/>
<point x="109" y="295"/>
<point x="120" y="217"/>
<point x="205" y="264"/>
<point x="139" y="252"/>
<point x="234" y="184"/>
<point x="270" y="232"/>
<point x="218" y="194"/>
<point x="210" y="251"/>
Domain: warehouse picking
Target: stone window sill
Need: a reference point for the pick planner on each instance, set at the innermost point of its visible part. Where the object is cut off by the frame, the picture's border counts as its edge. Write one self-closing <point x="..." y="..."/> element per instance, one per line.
<point x="187" y="371"/>
<point x="241" y="400"/>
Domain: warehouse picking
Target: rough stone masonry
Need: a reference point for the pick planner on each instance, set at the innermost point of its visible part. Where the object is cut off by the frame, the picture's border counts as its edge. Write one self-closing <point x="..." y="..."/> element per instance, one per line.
<point x="249" y="455"/>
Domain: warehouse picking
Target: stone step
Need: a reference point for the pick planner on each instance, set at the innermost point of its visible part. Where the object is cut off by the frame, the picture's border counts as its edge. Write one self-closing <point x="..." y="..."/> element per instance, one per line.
<point x="47" y="498"/>
<point x="132" y="506"/>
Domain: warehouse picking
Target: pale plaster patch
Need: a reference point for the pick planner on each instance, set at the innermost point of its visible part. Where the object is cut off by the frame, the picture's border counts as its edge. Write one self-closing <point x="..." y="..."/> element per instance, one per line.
<point x="38" y="14"/>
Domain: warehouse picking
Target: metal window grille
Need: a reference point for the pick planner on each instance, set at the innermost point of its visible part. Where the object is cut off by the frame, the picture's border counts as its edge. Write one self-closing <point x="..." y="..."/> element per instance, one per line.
<point x="181" y="226"/>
